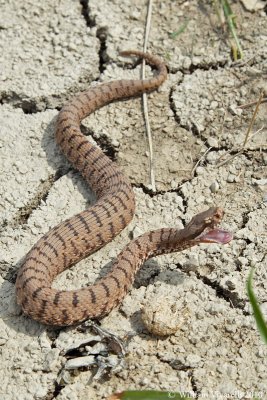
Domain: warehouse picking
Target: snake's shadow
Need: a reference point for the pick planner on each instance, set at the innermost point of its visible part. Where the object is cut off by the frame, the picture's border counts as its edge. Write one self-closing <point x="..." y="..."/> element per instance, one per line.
<point x="58" y="162"/>
<point x="62" y="167"/>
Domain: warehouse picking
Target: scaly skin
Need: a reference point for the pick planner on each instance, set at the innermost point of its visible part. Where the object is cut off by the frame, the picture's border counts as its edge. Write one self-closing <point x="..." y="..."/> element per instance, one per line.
<point x="84" y="233"/>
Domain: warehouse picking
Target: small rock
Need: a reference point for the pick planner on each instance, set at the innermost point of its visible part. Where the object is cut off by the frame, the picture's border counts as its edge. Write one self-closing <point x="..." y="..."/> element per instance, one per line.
<point x="75" y="363"/>
<point x="213" y="105"/>
<point x="252" y="5"/>
<point x="51" y="360"/>
<point x="212" y="142"/>
<point x="136" y="232"/>
<point x="234" y="110"/>
<point x="260" y="182"/>
<point x="214" y="187"/>
<point x="163" y="316"/>
<point x="200" y="170"/>
<point x="193" y="360"/>
<point x="216" y="308"/>
<point x="173" y="184"/>
<point x="144" y="381"/>
<point x="3" y="341"/>
<point x="191" y="265"/>
<point x="212" y="156"/>
<point x="230" y="284"/>
<point x="231" y="178"/>
<point x="230" y="328"/>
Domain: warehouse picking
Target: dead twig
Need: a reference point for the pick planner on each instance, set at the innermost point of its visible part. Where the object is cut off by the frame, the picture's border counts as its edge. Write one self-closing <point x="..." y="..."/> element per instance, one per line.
<point x="252" y="103"/>
<point x="240" y="151"/>
<point x="199" y="161"/>
<point x="252" y="120"/>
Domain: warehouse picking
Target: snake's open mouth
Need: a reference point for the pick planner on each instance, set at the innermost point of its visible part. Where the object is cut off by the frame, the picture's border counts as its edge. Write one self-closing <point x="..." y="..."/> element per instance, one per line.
<point x="215" y="235"/>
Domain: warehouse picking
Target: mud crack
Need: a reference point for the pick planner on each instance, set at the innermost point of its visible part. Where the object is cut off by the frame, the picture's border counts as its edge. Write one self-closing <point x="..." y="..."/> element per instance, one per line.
<point x="231" y="297"/>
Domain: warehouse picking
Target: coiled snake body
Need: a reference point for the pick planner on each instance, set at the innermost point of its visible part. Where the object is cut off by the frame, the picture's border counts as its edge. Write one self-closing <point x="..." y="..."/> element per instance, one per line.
<point x="84" y="233"/>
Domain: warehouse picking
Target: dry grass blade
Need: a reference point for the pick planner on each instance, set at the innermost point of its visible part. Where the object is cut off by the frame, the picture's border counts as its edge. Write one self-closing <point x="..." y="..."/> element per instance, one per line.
<point x="145" y="105"/>
<point x="248" y="136"/>
<point x="252" y="120"/>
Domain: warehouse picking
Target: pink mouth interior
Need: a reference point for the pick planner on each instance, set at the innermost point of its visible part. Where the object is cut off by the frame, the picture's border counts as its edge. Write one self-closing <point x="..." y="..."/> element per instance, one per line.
<point x="216" y="236"/>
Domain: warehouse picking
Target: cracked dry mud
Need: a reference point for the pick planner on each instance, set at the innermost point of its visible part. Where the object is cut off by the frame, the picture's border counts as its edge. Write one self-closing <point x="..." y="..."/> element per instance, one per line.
<point x="50" y="51"/>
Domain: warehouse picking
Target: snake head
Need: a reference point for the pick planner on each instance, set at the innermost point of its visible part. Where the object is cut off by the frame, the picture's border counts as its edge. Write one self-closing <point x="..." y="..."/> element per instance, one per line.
<point x="203" y="228"/>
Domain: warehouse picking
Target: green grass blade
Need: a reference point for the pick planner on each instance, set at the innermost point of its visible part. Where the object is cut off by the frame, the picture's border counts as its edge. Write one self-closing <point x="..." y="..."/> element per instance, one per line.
<point x="151" y="395"/>
<point x="173" y="35"/>
<point x="230" y="18"/>
<point x="261" y="324"/>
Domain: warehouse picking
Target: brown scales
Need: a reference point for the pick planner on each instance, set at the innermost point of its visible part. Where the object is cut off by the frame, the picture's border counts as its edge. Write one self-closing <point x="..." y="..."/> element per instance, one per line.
<point x="86" y="232"/>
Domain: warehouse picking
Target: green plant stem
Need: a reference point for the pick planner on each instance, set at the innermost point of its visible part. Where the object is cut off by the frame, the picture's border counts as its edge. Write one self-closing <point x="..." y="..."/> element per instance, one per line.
<point x="261" y="324"/>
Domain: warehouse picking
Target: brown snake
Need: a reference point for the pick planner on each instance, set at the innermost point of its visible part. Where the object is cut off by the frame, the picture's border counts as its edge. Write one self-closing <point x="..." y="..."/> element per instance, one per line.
<point x="84" y="233"/>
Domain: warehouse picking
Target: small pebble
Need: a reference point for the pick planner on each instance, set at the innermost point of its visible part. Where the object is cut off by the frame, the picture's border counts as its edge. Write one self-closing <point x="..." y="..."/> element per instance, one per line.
<point x="200" y="170"/>
<point x="212" y="142"/>
<point x="230" y="284"/>
<point x="193" y="360"/>
<point x="136" y="232"/>
<point x="51" y="360"/>
<point x="214" y="187"/>
<point x="231" y="178"/>
<point x="234" y="110"/>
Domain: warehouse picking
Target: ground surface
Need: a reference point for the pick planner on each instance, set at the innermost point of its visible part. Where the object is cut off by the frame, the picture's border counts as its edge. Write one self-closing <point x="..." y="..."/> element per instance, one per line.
<point x="51" y="50"/>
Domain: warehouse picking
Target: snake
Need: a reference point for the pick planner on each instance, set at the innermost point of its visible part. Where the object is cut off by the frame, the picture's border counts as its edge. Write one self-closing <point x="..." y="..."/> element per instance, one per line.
<point x="83" y="234"/>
